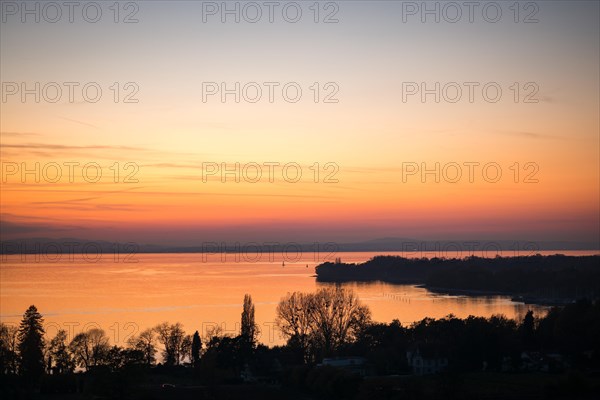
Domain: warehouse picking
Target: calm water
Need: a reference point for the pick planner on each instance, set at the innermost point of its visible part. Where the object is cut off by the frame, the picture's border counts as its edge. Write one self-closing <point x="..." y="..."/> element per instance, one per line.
<point x="124" y="298"/>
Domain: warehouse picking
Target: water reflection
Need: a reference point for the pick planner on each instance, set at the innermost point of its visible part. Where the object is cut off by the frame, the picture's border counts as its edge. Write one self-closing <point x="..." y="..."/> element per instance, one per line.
<point x="409" y="303"/>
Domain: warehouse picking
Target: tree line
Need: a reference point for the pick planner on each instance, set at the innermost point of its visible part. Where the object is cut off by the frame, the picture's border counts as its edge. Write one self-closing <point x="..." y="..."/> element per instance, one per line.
<point x="540" y="277"/>
<point x="331" y="322"/>
<point x="317" y="323"/>
<point x="26" y="352"/>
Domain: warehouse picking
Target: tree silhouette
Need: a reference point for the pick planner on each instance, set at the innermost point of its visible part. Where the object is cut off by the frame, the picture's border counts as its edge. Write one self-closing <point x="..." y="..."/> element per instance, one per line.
<point x="294" y="320"/>
<point x="115" y="358"/>
<point x="146" y="343"/>
<point x="9" y="356"/>
<point x="528" y="331"/>
<point x="338" y="317"/>
<point x="248" y="326"/>
<point x="60" y="360"/>
<point x="171" y="336"/>
<point x="322" y="321"/>
<point x="186" y="349"/>
<point x="31" y="344"/>
<point x="90" y="349"/>
<point x="196" y="348"/>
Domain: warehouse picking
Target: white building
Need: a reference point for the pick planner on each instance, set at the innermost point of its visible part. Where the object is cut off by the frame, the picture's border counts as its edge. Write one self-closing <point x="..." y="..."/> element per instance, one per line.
<point x="425" y="366"/>
<point x="355" y="364"/>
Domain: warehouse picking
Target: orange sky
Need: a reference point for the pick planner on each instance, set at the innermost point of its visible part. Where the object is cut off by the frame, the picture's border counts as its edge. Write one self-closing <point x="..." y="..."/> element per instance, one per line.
<point x="366" y="138"/>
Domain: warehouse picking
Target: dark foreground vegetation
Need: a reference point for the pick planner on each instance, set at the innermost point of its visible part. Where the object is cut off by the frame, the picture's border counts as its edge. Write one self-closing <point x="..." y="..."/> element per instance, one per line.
<point x="334" y="351"/>
<point x="538" y="279"/>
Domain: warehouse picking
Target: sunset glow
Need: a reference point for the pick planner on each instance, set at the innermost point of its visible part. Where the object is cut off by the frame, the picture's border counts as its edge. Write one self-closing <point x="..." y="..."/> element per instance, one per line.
<point x="547" y="149"/>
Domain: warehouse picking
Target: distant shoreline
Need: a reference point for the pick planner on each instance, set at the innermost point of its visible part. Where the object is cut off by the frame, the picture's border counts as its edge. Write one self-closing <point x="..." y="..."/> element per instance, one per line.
<point x="543" y="280"/>
<point x="483" y="293"/>
<point x="587" y="252"/>
<point x="413" y="247"/>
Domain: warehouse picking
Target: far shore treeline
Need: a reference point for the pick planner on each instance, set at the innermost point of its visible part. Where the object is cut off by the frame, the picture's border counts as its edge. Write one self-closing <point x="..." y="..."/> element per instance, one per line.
<point x="537" y="279"/>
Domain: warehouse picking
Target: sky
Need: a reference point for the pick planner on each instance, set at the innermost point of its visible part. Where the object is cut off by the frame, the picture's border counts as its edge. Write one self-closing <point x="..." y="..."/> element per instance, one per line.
<point x="374" y="120"/>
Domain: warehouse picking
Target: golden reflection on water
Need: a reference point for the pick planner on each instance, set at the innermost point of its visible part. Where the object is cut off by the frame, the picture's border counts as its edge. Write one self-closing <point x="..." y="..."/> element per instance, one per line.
<point x="124" y="298"/>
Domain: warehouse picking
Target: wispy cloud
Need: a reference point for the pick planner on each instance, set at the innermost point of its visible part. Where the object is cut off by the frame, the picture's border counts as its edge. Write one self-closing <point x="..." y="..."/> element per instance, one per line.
<point x="78" y="122"/>
<point x="18" y="134"/>
<point x="172" y="165"/>
<point x="18" y="228"/>
<point x="46" y="146"/>
<point x="527" y="134"/>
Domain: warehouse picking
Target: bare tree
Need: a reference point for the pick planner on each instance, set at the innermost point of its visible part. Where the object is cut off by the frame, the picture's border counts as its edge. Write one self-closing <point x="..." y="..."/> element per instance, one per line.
<point x="171" y="336"/>
<point x="8" y="349"/>
<point x="81" y="349"/>
<point x="324" y="320"/>
<point x="90" y="348"/>
<point x="145" y="342"/>
<point x="338" y="316"/>
<point x="60" y="360"/>
<point x="186" y="349"/>
<point x="213" y="335"/>
<point x="294" y="318"/>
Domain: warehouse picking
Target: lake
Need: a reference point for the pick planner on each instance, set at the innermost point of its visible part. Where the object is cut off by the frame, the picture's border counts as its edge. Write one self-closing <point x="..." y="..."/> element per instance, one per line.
<point x="125" y="297"/>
